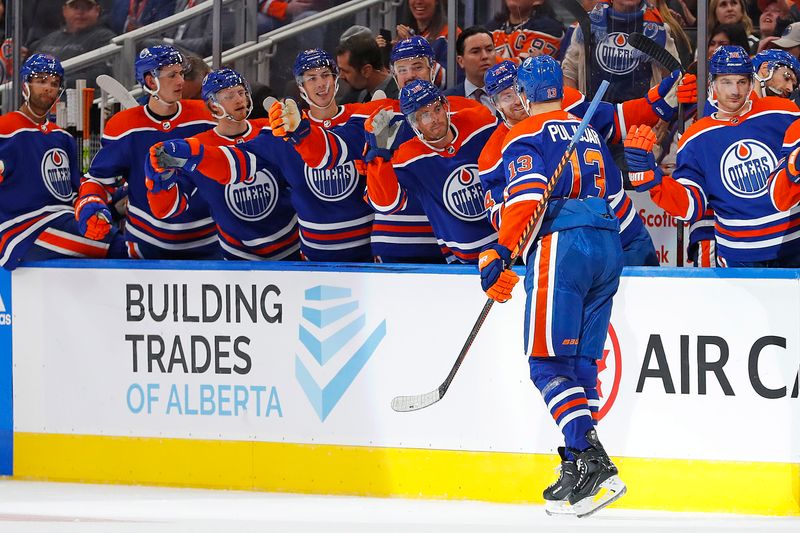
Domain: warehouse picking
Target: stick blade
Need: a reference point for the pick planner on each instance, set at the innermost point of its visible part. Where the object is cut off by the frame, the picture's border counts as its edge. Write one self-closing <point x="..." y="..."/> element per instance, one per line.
<point x="404" y="404"/>
<point x="656" y="51"/>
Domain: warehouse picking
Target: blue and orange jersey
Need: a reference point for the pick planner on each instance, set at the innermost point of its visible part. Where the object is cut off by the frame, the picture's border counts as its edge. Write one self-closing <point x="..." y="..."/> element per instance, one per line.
<point x="783" y="191"/>
<point x="724" y="165"/>
<point x="445" y="181"/>
<point x="394" y="235"/>
<point x="125" y="147"/>
<point x="255" y="218"/>
<point x="40" y="179"/>
<point x="335" y="223"/>
<point x="531" y="152"/>
<point x="539" y="35"/>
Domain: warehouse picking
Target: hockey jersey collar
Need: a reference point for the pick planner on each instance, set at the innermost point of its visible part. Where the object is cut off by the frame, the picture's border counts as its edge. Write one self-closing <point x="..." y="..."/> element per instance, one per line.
<point x="164" y="123"/>
<point x="242" y="137"/>
<point x="26" y="122"/>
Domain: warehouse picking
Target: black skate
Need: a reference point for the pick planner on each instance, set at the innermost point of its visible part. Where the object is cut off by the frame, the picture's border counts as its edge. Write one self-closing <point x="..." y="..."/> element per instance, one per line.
<point x="598" y="484"/>
<point x="556" y="496"/>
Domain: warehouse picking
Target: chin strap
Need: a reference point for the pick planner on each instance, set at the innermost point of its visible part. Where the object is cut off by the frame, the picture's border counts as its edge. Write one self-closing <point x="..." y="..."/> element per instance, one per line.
<point x="304" y="96"/>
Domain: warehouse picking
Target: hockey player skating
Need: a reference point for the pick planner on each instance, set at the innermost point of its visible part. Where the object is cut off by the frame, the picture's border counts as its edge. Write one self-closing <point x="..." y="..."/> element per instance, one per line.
<point x="723" y="162"/>
<point x="39" y="177"/>
<point x="125" y="144"/>
<point x="255" y="218"/>
<point x="573" y="270"/>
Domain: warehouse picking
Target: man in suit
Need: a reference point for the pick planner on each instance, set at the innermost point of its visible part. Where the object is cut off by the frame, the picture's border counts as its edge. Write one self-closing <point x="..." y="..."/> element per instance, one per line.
<point x="361" y="65"/>
<point x="475" y="54"/>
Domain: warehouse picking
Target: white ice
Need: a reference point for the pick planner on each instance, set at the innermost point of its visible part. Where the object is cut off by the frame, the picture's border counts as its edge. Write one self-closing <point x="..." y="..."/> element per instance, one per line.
<point x="64" y="507"/>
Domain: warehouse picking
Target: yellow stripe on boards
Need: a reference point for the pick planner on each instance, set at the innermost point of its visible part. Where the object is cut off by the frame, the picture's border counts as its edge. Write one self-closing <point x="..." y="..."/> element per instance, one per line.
<point x="667" y="484"/>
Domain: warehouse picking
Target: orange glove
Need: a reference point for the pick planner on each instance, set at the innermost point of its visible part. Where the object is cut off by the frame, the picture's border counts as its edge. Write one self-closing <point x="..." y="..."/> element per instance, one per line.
<point x="643" y="172"/>
<point x="496" y="280"/>
<point x="687" y="89"/>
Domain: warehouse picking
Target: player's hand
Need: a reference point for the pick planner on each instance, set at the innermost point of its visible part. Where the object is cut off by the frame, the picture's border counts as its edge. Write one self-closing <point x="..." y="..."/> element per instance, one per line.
<point x="687" y="89"/>
<point x="158" y="181"/>
<point x="185" y="154"/>
<point x="663" y="98"/>
<point x="286" y="121"/>
<point x="643" y="172"/>
<point x="793" y="165"/>
<point x="497" y="281"/>
<point x="382" y="128"/>
<point x="93" y="216"/>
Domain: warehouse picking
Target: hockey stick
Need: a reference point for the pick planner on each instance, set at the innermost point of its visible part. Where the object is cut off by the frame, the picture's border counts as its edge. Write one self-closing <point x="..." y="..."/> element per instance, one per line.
<point x="648" y="46"/>
<point x="576" y="10"/>
<point x="117" y="91"/>
<point x="421" y="401"/>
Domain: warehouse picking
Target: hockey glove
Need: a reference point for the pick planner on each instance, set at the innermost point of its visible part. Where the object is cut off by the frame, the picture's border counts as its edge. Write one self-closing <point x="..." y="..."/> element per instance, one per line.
<point x="687" y="89"/>
<point x="158" y="181"/>
<point x="287" y="122"/>
<point x="176" y="153"/>
<point x="94" y="218"/>
<point x="663" y="98"/>
<point x="382" y="128"/>
<point x="643" y="172"/>
<point x="792" y="168"/>
<point x="497" y="281"/>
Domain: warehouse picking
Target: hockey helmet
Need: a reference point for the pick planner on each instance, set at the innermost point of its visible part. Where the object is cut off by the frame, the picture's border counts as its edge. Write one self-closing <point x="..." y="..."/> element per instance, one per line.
<point x="220" y="79"/>
<point x="540" y="79"/>
<point x="154" y="58"/>
<point x="730" y="59"/>
<point x="41" y="64"/>
<point x="499" y="77"/>
<point x="313" y="58"/>
<point x="418" y="94"/>
<point x="414" y="46"/>
<point x="776" y="58"/>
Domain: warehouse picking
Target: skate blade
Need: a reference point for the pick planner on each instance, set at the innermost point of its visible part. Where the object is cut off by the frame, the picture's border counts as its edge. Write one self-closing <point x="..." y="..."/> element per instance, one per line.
<point x="558" y="508"/>
<point x="610" y="491"/>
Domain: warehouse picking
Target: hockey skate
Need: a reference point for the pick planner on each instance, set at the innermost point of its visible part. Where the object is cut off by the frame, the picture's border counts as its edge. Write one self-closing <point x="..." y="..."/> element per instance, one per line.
<point x="556" y="496"/>
<point x="598" y="484"/>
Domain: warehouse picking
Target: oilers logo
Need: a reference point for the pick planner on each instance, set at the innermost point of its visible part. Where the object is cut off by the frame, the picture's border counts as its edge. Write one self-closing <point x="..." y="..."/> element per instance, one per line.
<point x="254" y="198"/>
<point x="616" y="56"/>
<point x="463" y="194"/>
<point x="332" y="184"/>
<point x="56" y="175"/>
<point x="745" y="167"/>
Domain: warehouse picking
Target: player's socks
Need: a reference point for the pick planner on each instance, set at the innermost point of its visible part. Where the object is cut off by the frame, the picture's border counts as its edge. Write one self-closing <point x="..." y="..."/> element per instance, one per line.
<point x="598" y="484"/>
<point x="556" y="496"/>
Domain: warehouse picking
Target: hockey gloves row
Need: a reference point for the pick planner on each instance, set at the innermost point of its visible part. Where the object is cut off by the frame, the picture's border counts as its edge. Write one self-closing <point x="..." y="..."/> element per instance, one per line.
<point x="184" y="154"/>
<point x="497" y="279"/>
<point x="643" y="172"/>
<point x="382" y="128"/>
<point x="286" y="120"/>
<point x="94" y="218"/>
<point x="675" y="89"/>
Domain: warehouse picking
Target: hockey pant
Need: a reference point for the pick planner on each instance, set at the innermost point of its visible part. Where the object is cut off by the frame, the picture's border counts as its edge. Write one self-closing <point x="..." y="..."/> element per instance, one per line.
<point x="138" y="249"/>
<point x="63" y="239"/>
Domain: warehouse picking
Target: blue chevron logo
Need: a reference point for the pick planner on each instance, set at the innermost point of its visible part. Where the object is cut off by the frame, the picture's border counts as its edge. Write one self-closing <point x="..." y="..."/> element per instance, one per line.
<point x="331" y="323"/>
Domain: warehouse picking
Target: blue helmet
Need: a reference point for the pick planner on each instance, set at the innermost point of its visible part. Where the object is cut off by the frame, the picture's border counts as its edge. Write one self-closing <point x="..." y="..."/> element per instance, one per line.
<point x="500" y="77"/>
<point x="313" y="58"/>
<point x="156" y="57"/>
<point x="730" y="60"/>
<point x="414" y="46"/>
<point x="776" y="58"/>
<point x="540" y="79"/>
<point x="41" y="64"/>
<point x="224" y="78"/>
<point x="418" y="94"/>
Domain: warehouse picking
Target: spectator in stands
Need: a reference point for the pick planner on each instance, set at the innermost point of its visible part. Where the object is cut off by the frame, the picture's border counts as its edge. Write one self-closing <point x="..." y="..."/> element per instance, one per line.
<point x="790" y="40"/>
<point x="771" y="11"/>
<point x="127" y="15"/>
<point x="275" y="13"/>
<point x="475" y="54"/>
<point x="428" y="19"/>
<point x="631" y="76"/>
<point x="361" y="66"/>
<point x="193" y="77"/>
<point x="726" y="34"/>
<point x="195" y="37"/>
<point x="81" y="33"/>
<point x="682" y="43"/>
<point x="732" y="12"/>
<point x="525" y="28"/>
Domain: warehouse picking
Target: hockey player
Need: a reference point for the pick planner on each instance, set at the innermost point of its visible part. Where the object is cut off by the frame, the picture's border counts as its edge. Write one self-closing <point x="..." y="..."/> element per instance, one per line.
<point x="255" y="218"/>
<point x="777" y="72"/>
<point x="126" y="140"/>
<point x="335" y="222"/>
<point x="573" y="263"/>
<point x="438" y="167"/>
<point x="723" y="162"/>
<point x="39" y="176"/>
